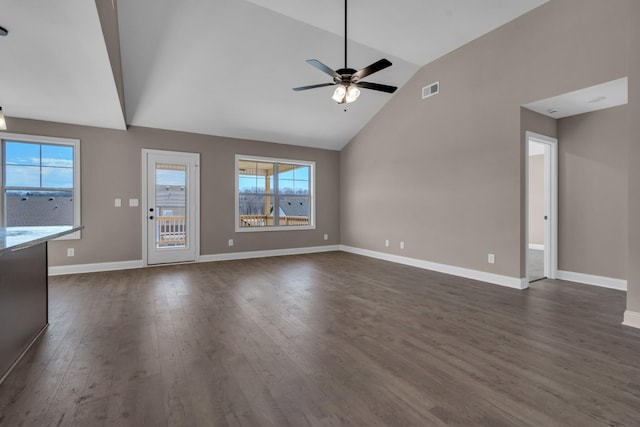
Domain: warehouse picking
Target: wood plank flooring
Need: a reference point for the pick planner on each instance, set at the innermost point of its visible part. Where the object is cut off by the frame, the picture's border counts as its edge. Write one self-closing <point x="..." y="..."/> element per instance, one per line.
<point x="324" y="340"/>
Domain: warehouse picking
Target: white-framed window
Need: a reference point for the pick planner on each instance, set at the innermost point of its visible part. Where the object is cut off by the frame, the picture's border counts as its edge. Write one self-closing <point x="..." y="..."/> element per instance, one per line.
<point x="274" y="194"/>
<point x="40" y="181"/>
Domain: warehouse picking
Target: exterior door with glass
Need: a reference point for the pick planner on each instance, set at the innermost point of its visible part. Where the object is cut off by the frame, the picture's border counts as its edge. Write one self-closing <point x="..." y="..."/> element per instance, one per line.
<point x="171" y="206"/>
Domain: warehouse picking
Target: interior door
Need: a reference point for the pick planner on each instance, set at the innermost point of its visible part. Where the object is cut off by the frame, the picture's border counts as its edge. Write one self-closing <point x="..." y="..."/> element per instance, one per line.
<point x="171" y="206"/>
<point x="549" y="214"/>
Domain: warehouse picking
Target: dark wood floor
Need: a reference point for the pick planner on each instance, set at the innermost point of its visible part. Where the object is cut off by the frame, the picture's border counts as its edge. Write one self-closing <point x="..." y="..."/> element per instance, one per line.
<point x="325" y="339"/>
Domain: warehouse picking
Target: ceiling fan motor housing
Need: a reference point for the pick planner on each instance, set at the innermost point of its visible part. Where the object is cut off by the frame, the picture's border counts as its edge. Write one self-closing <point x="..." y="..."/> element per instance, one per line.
<point x="346" y="74"/>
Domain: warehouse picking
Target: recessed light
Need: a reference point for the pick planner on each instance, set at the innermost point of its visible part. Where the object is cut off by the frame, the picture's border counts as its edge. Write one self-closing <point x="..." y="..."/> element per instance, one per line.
<point x="3" y="31"/>
<point x="597" y="99"/>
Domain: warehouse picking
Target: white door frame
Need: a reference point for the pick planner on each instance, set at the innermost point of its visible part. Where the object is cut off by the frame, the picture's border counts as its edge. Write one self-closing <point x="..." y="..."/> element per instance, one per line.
<point x="145" y="201"/>
<point x="551" y="203"/>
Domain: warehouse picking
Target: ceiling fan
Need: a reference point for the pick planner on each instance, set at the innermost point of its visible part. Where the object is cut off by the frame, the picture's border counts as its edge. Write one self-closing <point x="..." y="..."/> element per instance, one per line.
<point x="348" y="79"/>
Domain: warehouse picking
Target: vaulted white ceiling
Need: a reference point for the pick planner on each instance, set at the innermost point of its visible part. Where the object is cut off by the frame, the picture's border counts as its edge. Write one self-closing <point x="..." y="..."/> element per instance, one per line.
<point x="226" y="67"/>
<point x="54" y="64"/>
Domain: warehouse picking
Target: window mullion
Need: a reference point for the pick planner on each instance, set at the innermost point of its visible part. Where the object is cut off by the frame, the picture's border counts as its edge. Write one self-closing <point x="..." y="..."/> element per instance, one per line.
<point x="3" y="214"/>
<point x="40" y="164"/>
<point x="276" y="202"/>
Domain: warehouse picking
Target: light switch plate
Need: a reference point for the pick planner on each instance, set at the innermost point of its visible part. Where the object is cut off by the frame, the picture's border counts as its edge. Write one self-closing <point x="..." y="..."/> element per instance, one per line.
<point x="117" y="203"/>
<point x="133" y="203"/>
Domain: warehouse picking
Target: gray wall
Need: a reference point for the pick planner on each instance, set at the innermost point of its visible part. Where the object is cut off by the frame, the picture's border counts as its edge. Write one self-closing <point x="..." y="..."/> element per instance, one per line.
<point x="111" y="168"/>
<point x="633" y="287"/>
<point x="593" y="193"/>
<point x="446" y="174"/>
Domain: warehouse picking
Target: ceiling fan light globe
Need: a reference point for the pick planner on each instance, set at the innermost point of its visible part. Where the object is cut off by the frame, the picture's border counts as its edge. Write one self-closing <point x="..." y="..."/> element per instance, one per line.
<point x="339" y="94"/>
<point x="352" y="94"/>
<point x="3" y="123"/>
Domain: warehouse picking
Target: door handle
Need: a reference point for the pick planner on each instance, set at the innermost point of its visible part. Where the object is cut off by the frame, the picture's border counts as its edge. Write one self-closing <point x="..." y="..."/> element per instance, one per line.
<point x="150" y="209"/>
<point x="151" y="217"/>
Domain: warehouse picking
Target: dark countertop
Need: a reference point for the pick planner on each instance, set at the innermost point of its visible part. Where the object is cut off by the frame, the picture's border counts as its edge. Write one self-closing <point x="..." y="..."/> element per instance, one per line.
<point x="15" y="238"/>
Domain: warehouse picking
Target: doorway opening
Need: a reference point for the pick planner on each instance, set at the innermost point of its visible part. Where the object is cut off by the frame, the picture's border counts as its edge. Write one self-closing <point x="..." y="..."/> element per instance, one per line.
<point x="170" y="206"/>
<point x="541" y="242"/>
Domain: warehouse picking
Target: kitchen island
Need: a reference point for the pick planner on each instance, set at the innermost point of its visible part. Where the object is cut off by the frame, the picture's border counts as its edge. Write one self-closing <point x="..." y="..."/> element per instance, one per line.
<point x="23" y="289"/>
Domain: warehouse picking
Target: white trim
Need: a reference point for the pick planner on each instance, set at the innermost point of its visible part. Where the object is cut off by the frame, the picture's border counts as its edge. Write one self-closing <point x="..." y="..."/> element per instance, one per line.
<point x="589" y="279"/>
<point x="127" y="265"/>
<point x="94" y="268"/>
<point x="143" y="205"/>
<point x="483" y="276"/>
<point x="267" y="253"/>
<point x="631" y="318"/>
<point x="536" y="246"/>
<point x="551" y="202"/>
<point x="20" y="137"/>
<point x="496" y="279"/>
<point x="312" y="195"/>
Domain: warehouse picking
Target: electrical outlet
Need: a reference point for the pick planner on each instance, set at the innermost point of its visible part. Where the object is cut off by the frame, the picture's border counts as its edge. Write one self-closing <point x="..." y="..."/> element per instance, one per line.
<point x="386" y="243"/>
<point x="326" y="237"/>
<point x="491" y="258"/>
<point x="71" y="252"/>
<point x="401" y="245"/>
<point x="230" y="242"/>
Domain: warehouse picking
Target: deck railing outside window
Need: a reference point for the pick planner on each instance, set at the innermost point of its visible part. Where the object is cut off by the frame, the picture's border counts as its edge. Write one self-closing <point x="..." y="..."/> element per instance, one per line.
<point x="267" y="220"/>
<point x="171" y="230"/>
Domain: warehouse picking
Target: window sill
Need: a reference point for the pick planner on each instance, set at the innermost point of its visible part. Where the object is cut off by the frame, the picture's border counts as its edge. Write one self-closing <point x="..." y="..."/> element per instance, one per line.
<point x="282" y="228"/>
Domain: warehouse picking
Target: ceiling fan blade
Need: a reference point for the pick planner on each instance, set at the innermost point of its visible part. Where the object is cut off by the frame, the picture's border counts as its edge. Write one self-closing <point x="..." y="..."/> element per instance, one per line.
<point x="320" y="66"/>
<point x="297" y="89"/>
<point x="376" y="86"/>
<point x="373" y="68"/>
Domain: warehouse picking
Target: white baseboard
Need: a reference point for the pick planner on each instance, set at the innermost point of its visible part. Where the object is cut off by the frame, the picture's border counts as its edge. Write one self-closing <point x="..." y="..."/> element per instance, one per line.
<point x="268" y="253"/>
<point x="536" y="246"/>
<point x="589" y="279"/>
<point x="126" y="265"/>
<point x="94" y="268"/>
<point x="631" y="318"/>
<point x="496" y="279"/>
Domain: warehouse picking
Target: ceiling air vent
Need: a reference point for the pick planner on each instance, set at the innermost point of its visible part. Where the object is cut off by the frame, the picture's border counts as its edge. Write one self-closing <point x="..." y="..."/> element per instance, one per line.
<point x="430" y="90"/>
